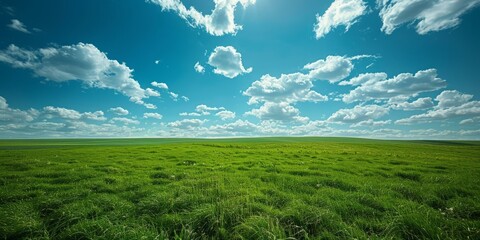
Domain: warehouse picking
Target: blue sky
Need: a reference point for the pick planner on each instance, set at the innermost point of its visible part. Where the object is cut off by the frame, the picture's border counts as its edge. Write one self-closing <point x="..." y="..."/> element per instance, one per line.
<point x="218" y="68"/>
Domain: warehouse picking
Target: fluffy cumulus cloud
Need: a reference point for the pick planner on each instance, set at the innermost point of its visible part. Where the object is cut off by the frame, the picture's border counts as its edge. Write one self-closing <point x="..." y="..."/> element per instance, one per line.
<point x="60" y="122"/>
<point x="361" y="121"/>
<point x="164" y="87"/>
<point x="153" y="115"/>
<point x="419" y="104"/>
<point x="427" y="15"/>
<point x="452" y="98"/>
<point x="159" y="85"/>
<point x="332" y="68"/>
<point x="225" y="114"/>
<point x="363" y="78"/>
<point x="204" y="110"/>
<point x="69" y="129"/>
<point x="124" y="120"/>
<point x="199" y="68"/>
<point x="227" y="62"/>
<point x="290" y="88"/>
<point x="119" y="111"/>
<point x="340" y="13"/>
<point x="371" y="123"/>
<point x="80" y="62"/>
<point x="279" y="94"/>
<point x="70" y="114"/>
<point x="173" y="96"/>
<point x="10" y="115"/>
<point x="469" y="121"/>
<point x="220" y="22"/>
<point x="281" y="111"/>
<point x="451" y="104"/>
<point x="19" y="26"/>
<point x="192" y="114"/>
<point x="358" y="114"/>
<point x="376" y="86"/>
<point x="239" y="127"/>
<point x="186" y="123"/>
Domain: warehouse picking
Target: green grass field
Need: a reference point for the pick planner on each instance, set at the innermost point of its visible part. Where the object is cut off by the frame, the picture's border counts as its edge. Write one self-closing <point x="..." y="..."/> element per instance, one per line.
<point x="257" y="188"/>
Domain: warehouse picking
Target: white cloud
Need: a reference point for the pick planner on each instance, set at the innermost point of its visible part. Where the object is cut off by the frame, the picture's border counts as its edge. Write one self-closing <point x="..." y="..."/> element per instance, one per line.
<point x="340" y="12"/>
<point x="333" y="68"/>
<point x="19" y="26"/>
<point x="3" y="103"/>
<point x="9" y="115"/>
<point x="81" y="62"/>
<point x="290" y="88"/>
<point x="152" y="93"/>
<point x="358" y="114"/>
<point x="97" y="115"/>
<point x="152" y="115"/>
<point x="363" y="78"/>
<point x="125" y="120"/>
<point x="193" y="114"/>
<point x="60" y="122"/>
<point x="403" y="85"/>
<point x="451" y="98"/>
<point x="202" y="110"/>
<point x="62" y="113"/>
<point x="199" y="68"/>
<point x="173" y="96"/>
<point x="159" y="85"/>
<point x="467" y="121"/>
<point x="472" y="120"/>
<point x="451" y="104"/>
<point x="371" y="122"/>
<point x="224" y="115"/>
<point x="443" y="134"/>
<point x="186" y="123"/>
<point x="71" y="114"/>
<point x="70" y="129"/>
<point x="220" y="22"/>
<point x="205" y="110"/>
<point x="239" y="126"/>
<point x="297" y="87"/>
<point x="227" y="62"/>
<point x="428" y="15"/>
<point x="419" y="104"/>
<point x="47" y="126"/>
<point x="281" y="111"/>
<point x="150" y="106"/>
<point x="119" y="111"/>
<point x="280" y="93"/>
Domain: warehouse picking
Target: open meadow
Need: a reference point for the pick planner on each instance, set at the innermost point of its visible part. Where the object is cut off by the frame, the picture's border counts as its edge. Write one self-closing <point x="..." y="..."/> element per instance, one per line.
<point x="257" y="188"/>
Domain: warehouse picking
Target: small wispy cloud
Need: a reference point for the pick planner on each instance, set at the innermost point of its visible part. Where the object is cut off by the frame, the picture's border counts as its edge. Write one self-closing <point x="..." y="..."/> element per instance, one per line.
<point x="19" y="26"/>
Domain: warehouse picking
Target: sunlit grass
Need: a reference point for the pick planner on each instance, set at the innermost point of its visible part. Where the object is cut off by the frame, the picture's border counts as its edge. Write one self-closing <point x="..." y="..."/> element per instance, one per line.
<point x="269" y="188"/>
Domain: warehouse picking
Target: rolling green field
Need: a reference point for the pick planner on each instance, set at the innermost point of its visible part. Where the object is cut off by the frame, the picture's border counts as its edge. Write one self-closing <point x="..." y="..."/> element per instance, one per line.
<point x="257" y="188"/>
